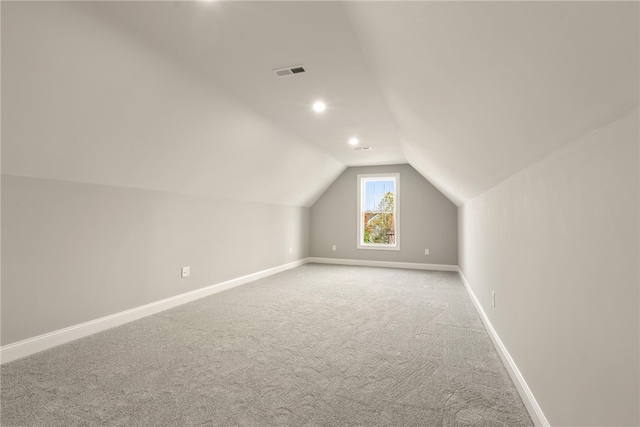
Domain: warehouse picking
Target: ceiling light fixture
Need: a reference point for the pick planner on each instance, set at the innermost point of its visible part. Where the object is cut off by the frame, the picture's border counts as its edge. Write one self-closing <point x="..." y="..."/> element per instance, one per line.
<point x="353" y="141"/>
<point x="319" y="106"/>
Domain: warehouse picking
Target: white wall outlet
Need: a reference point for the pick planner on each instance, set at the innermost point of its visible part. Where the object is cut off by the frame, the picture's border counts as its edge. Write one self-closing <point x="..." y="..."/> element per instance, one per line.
<point x="333" y="248"/>
<point x="290" y="250"/>
<point x="185" y="271"/>
<point x="426" y="251"/>
<point x="493" y="298"/>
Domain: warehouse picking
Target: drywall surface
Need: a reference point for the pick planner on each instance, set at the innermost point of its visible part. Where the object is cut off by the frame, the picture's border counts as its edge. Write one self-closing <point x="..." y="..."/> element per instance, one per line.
<point x="428" y="220"/>
<point x="558" y="243"/>
<point x="479" y="90"/>
<point x="87" y="100"/>
<point x="75" y="252"/>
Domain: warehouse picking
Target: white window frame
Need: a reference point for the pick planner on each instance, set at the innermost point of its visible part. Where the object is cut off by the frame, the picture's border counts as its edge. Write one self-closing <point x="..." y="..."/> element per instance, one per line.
<point x="362" y="179"/>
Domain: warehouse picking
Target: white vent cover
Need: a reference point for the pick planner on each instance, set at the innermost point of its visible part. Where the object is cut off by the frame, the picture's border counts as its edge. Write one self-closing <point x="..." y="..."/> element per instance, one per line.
<point x="290" y="71"/>
<point x="362" y="148"/>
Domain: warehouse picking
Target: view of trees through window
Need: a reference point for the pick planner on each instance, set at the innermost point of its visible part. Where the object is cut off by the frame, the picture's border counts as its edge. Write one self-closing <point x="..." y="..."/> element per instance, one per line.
<point x="378" y="220"/>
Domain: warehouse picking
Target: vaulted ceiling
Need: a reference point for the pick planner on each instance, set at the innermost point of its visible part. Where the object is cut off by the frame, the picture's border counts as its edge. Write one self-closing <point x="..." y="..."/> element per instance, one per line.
<point x="181" y="96"/>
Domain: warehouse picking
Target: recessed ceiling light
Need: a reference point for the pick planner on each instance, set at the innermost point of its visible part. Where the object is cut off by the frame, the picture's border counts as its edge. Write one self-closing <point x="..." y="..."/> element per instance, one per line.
<point x="353" y="141"/>
<point x="319" y="106"/>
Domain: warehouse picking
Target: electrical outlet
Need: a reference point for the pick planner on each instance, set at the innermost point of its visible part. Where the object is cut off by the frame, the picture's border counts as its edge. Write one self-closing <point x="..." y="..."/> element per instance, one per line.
<point x="290" y="250"/>
<point x="185" y="271"/>
<point x="333" y="248"/>
<point x="426" y="251"/>
<point x="493" y="298"/>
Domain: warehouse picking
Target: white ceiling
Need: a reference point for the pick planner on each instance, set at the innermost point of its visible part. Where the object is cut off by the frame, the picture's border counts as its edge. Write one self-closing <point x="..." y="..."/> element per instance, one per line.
<point x="180" y="96"/>
<point x="480" y="90"/>
<point x="238" y="44"/>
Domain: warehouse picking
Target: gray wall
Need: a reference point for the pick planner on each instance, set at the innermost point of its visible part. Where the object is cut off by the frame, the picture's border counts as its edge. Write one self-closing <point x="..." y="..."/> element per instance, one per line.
<point x="558" y="243"/>
<point x="75" y="252"/>
<point x="428" y="220"/>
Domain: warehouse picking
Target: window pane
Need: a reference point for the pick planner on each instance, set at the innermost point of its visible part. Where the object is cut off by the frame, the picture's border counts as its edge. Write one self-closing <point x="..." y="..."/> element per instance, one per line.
<point x="386" y="203"/>
<point x="378" y="228"/>
<point x="379" y="188"/>
<point x="389" y="186"/>
<point x="379" y="195"/>
<point x="369" y="187"/>
<point x="369" y="190"/>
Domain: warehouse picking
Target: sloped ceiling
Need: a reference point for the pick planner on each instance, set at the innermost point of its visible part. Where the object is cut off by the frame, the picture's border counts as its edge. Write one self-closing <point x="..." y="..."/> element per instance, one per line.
<point x="480" y="90"/>
<point x="180" y="96"/>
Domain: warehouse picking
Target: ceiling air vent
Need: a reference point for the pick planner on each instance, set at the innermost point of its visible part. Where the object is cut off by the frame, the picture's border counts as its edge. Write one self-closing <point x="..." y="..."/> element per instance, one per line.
<point x="290" y="71"/>
<point x="362" y="148"/>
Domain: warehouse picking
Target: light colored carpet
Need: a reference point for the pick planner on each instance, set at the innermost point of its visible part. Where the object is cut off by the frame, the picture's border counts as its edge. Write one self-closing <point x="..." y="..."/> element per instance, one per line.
<point x="317" y="345"/>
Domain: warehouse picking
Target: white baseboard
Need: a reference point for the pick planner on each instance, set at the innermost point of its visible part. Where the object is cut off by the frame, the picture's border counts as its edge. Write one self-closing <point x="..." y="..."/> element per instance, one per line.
<point x="49" y="340"/>
<point x="387" y="264"/>
<point x="529" y="400"/>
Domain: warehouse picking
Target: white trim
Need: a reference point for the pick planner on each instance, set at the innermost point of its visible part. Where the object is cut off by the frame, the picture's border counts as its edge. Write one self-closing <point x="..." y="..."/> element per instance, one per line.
<point x="378" y="246"/>
<point x="49" y="340"/>
<point x="362" y="178"/>
<point x="387" y="264"/>
<point x="529" y="400"/>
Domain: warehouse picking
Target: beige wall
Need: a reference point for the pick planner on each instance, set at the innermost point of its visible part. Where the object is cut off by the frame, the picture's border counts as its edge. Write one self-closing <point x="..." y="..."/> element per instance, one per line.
<point x="75" y="252"/>
<point x="558" y="243"/>
<point x="427" y="220"/>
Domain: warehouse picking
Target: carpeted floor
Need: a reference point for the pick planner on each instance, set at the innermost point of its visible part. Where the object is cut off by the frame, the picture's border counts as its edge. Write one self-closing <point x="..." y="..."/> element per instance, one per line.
<point x="317" y="345"/>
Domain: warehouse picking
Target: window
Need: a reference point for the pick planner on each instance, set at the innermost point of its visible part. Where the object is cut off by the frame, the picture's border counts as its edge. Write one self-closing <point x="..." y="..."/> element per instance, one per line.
<point x="378" y="213"/>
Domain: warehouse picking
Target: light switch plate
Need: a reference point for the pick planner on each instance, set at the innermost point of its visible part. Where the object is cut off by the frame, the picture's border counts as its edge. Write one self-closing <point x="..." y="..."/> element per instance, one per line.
<point x="185" y="271"/>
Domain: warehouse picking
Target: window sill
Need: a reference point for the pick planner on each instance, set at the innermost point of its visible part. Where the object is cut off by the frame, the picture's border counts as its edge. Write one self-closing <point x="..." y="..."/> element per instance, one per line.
<point x="379" y="247"/>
